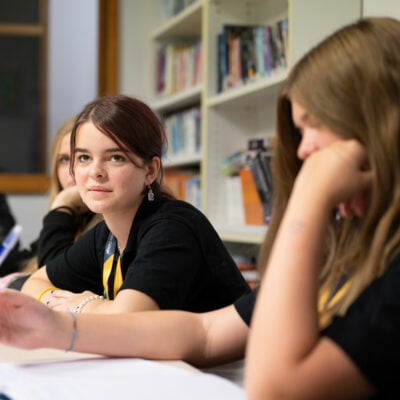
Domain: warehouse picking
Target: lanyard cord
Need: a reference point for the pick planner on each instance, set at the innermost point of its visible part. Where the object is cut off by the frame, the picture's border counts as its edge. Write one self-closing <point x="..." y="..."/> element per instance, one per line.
<point x="112" y="274"/>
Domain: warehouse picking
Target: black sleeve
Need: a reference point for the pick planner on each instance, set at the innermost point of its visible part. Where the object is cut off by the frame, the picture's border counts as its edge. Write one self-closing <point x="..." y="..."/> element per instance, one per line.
<point x="79" y="267"/>
<point x="369" y="333"/>
<point x="245" y="306"/>
<point x="57" y="235"/>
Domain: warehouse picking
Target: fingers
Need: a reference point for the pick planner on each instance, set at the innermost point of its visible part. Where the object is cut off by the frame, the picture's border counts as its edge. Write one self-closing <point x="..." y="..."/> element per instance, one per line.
<point x="61" y="294"/>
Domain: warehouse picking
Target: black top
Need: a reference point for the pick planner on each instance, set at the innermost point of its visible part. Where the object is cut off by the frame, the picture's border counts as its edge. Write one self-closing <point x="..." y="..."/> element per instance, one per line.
<point x="58" y="233"/>
<point x="369" y="333"/>
<point x="173" y="255"/>
<point x="245" y="306"/>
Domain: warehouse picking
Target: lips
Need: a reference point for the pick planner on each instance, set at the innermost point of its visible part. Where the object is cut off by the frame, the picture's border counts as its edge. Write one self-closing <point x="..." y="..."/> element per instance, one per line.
<point x="99" y="189"/>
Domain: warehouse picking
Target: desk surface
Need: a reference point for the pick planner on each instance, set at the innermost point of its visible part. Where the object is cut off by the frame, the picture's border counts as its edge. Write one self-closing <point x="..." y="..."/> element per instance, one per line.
<point x="14" y="355"/>
<point x="47" y="374"/>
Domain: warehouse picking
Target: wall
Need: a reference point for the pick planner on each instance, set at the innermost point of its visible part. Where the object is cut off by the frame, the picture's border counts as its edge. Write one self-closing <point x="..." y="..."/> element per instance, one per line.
<point x="72" y="82"/>
<point x="135" y="55"/>
<point x="382" y="7"/>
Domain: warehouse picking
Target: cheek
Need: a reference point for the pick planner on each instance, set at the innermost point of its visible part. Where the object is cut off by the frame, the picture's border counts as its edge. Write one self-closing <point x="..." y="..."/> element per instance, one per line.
<point x="79" y="175"/>
<point x="328" y="139"/>
<point x="64" y="176"/>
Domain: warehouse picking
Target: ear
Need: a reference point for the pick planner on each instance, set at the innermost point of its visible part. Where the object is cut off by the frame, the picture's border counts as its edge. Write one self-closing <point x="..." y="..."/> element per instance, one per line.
<point x="152" y="170"/>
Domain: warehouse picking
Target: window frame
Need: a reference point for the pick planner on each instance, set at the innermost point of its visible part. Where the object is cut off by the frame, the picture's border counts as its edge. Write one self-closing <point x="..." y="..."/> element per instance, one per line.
<point x="31" y="183"/>
<point x="107" y="83"/>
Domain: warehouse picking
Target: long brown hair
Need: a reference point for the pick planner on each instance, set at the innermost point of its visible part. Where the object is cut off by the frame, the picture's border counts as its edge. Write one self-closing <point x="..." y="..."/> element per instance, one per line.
<point x="350" y="83"/>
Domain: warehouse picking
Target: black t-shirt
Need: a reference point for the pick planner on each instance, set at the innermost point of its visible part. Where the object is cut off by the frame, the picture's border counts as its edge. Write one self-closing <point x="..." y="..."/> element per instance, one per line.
<point x="173" y="255"/>
<point x="369" y="333"/>
<point x="245" y="306"/>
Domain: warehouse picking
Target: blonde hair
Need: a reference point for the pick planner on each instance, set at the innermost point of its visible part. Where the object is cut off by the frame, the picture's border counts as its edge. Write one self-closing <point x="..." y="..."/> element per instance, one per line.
<point x="351" y="83"/>
<point x="55" y="184"/>
<point x="55" y="188"/>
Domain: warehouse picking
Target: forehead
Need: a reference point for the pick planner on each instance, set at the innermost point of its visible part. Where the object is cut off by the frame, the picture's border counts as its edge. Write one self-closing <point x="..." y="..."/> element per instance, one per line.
<point x="299" y="114"/>
<point x="65" y="143"/>
<point x="89" y="135"/>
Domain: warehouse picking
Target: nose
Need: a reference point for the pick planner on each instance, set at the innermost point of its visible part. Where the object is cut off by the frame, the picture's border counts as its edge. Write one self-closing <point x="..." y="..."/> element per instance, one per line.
<point x="97" y="170"/>
<point x="307" y="145"/>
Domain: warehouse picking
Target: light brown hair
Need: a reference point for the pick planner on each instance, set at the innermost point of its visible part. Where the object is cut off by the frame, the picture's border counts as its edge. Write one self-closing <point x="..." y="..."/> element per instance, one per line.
<point x="350" y="83"/>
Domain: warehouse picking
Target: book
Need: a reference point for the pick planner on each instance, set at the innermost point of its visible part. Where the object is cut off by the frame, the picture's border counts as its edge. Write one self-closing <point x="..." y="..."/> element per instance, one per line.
<point x="234" y="200"/>
<point x="253" y="211"/>
<point x="248" y="54"/>
<point x="263" y="184"/>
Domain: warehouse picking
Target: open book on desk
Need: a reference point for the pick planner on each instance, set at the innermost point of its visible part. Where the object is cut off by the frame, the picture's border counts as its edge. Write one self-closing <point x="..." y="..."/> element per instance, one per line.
<point x="111" y="378"/>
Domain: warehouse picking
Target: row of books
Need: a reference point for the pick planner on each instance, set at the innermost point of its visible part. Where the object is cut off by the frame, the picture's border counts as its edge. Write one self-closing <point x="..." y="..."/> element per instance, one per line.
<point x="173" y="7"/>
<point x="248" y="52"/>
<point x="178" y="67"/>
<point x="185" y="185"/>
<point x="248" y="185"/>
<point x="183" y="131"/>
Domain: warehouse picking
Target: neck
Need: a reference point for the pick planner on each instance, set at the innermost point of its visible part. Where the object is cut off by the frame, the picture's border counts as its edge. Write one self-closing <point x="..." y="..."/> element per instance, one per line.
<point x="120" y="228"/>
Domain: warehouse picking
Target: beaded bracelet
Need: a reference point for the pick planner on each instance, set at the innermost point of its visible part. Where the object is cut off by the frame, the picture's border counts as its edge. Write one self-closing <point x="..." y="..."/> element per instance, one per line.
<point x="67" y="208"/>
<point x="83" y="303"/>
<point x="74" y="331"/>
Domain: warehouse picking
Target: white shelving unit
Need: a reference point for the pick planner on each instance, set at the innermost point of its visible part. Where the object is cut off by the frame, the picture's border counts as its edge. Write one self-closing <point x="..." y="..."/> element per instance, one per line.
<point x="231" y="118"/>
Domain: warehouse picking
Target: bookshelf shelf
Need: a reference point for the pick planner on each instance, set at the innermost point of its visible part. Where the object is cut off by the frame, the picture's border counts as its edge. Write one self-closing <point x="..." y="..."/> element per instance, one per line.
<point x="178" y="100"/>
<point x="242" y="234"/>
<point x="182" y="161"/>
<point x="186" y="24"/>
<point x="249" y="93"/>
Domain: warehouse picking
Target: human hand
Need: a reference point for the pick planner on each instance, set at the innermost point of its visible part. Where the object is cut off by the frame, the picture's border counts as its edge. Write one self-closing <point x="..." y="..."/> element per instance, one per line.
<point x="70" y="197"/>
<point x="28" y="324"/>
<point x="64" y="300"/>
<point x="341" y="174"/>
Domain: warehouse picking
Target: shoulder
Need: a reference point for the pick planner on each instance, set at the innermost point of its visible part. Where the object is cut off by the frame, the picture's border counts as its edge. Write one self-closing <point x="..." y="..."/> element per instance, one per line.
<point x="180" y="211"/>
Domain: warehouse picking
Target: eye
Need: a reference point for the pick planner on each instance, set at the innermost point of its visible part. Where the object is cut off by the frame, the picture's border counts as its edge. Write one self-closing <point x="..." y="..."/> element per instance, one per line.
<point x="118" y="158"/>
<point x="64" y="159"/>
<point x="82" y="158"/>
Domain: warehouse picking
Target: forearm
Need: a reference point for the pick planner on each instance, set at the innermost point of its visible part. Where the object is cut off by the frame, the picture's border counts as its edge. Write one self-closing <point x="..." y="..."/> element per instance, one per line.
<point x="36" y="284"/>
<point x="154" y="335"/>
<point x="285" y="325"/>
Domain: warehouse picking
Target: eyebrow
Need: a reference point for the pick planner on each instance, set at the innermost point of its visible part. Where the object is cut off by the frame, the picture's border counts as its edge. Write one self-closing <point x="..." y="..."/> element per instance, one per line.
<point x="112" y="150"/>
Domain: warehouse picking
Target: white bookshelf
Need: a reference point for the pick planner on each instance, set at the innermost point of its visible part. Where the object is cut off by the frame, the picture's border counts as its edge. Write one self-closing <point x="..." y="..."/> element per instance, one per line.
<point x="231" y="118"/>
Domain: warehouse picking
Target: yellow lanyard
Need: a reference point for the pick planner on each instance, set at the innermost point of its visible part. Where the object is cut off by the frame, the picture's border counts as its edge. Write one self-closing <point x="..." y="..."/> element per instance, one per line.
<point x="112" y="274"/>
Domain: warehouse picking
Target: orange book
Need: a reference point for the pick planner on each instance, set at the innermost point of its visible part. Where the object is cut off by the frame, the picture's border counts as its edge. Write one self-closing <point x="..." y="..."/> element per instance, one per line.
<point x="176" y="180"/>
<point x="253" y="212"/>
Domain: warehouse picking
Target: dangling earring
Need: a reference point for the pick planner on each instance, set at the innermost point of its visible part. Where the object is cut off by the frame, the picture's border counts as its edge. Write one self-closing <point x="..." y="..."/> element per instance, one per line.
<point x="150" y="194"/>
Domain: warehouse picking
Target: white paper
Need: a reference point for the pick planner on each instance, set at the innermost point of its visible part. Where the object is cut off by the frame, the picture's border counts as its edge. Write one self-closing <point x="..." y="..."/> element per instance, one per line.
<point x="111" y="379"/>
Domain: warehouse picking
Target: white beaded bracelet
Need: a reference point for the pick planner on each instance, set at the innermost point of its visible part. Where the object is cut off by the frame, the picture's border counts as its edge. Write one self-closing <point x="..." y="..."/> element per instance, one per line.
<point x="83" y="303"/>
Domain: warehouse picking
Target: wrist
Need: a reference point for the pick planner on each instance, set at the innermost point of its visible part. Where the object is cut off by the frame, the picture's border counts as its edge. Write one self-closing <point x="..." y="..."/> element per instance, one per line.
<point x="88" y="299"/>
<point x="46" y="293"/>
<point x="65" y="209"/>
